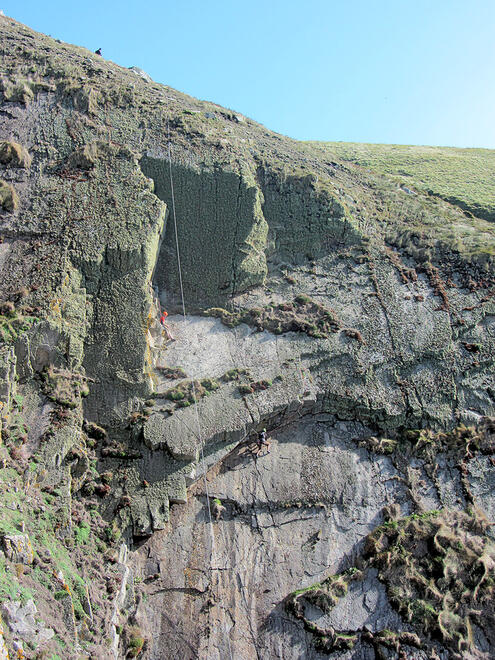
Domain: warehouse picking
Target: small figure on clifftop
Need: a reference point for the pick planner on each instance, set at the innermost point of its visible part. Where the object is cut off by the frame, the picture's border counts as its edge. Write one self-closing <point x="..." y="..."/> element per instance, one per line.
<point x="261" y="442"/>
<point x="165" y="326"/>
<point x="98" y="51"/>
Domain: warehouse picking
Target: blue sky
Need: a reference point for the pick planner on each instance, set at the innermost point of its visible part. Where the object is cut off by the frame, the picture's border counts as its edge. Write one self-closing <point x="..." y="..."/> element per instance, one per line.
<point x="387" y="71"/>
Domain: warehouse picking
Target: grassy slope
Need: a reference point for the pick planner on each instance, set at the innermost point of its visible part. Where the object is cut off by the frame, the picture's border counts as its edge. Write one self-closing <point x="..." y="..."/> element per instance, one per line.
<point x="465" y="177"/>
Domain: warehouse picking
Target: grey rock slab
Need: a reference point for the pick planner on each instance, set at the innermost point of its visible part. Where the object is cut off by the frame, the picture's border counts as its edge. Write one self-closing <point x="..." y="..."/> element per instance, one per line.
<point x="22" y="622"/>
<point x="482" y="482"/>
<point x="142" y="74"/>
<point x="206" y="348"/>
<point x="175" y="433"/>
<point x="291" y="518"/>
<point x="449" y="482"/>
<point x="220" y="418"/>
<point x="203" y="346"/>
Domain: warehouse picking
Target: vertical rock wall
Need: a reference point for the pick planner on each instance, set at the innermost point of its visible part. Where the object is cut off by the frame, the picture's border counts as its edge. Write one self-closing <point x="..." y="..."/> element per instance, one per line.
<point x="221" y="231"/>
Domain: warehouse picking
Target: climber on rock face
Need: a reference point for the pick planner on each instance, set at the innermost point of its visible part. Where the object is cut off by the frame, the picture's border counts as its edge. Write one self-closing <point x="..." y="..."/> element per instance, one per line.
<point x="262" y="441"/>
<point x="165" y="326"/>
<point x="217" y="509"/>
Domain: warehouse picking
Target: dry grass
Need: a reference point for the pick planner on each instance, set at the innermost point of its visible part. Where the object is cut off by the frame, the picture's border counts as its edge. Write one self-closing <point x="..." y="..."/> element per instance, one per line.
<point x="301" y="315"/>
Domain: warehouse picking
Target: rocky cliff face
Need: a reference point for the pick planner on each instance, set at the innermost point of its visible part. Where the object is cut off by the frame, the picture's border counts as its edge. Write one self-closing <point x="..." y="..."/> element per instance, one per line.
<point x="350" y="315"/>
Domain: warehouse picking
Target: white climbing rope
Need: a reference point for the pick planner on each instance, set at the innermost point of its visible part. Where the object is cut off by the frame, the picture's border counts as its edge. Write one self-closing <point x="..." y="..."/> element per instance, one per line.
<point x="213" y="554"/>
<point x="179" y="268"/>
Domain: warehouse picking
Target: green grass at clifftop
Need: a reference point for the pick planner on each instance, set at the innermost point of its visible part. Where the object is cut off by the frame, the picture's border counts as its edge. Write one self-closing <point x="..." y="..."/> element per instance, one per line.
<point x="465" y="177"/>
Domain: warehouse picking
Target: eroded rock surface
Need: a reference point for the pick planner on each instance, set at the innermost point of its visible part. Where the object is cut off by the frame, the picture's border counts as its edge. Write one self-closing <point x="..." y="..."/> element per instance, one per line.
<point x="353" y="320"/>
<point x="292" y="518"/>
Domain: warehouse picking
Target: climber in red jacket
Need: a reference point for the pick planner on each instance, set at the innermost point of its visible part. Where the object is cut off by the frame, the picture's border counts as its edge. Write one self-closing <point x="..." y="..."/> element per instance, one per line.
<point x="165" y="326"/>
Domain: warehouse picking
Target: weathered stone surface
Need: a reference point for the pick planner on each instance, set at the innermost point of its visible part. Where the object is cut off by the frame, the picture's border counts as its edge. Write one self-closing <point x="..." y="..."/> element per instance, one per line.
<point x="17" y="548"/>
<point x="224" y="204"/>
<point x="482" y="482"/>
<point x="288" y="517"/>
<point x="365" y="606"/>
<point x="288" y="520"/>
<point x="24" y="624"/>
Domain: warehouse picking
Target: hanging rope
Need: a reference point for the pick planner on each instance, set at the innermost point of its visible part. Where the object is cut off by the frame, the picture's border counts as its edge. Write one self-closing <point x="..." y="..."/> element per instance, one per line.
<point x="179" y="268"/>
<point x="213" y="554"/>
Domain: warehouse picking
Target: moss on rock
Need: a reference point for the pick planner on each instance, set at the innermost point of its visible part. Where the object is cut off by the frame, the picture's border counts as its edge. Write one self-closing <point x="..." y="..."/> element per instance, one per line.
<point x="301" y="315"/>
<point x="439" y="571"/>
<point x="188" y="392"/>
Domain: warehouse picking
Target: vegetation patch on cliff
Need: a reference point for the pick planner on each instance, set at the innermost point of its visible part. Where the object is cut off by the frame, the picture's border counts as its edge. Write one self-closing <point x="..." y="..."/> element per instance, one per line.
<point x="14" y="154"/>
<point x="13" y="322"/>
<point x="325" y="595"/>
<point x="59" y="564"/>
<point x="188" y="392"/>
<point x="462" y="440"/>
<point x="439" y="571"/>
<point x="9" y="200"/>
<point x="300" y="315"/>
<point x="461" y="444"/>
<point x="64" y="387"/>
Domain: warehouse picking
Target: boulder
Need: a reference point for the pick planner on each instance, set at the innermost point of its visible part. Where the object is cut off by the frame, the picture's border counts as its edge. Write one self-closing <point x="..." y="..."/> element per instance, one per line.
<point x="142" y="74"/>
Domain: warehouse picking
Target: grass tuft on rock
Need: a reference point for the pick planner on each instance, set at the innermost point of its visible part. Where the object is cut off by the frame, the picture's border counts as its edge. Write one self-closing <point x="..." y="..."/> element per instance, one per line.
<point x="301" y="315"/>
<point x="188" y="392"/>
<point x="14" y="154"/>
<point x="438" y="568"/>
<point x="9" y="201"/>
